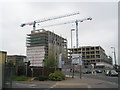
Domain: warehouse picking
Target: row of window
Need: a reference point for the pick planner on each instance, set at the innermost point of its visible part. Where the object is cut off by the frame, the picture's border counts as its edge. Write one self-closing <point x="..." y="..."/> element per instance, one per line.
<point x="90" y="48"/>
<point x="88" y="61"/>
<point x="91" y="56"/>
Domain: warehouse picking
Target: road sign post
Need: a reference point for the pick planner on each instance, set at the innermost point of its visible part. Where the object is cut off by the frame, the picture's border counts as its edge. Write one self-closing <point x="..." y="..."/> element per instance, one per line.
<point x="76" y="59"/>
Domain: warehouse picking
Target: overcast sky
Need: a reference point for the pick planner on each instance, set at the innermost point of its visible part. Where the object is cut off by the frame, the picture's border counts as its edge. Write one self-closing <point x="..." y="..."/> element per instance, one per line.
<point x="102" y="30"/>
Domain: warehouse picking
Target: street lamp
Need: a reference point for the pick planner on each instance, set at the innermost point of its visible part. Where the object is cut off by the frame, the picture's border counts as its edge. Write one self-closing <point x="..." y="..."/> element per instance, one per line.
<point x="73" y="63"/>
<point x="114" y="56"/>
<point x="26" y="64"/>
<point x="71" y="36"/>
<point x="71" y="52"/>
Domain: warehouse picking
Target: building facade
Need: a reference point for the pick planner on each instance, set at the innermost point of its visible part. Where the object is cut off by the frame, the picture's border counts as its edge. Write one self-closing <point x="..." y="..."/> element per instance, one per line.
<point x="42" y="44"/>
<point x="16" y="59"/>
<point x="3" y="56"/>
<point x="91" y="55"/>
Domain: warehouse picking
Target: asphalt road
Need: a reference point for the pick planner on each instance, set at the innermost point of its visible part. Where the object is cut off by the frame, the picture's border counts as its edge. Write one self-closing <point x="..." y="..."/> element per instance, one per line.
<point x="102" y="76"/>
<point x="88" y="80"/>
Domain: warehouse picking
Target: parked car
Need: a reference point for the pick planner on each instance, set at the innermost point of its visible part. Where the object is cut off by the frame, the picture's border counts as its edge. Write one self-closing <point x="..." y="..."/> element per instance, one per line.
<point x="98" y="71"/>
<point x="111" y="73"/>
<point x="107" y="72"/>
<point x="87" y="71"/>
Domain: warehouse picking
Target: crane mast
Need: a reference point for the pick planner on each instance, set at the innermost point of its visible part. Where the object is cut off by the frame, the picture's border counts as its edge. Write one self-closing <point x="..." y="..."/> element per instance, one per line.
<point x="47" y="19"/>
<point x="74" y="21"/>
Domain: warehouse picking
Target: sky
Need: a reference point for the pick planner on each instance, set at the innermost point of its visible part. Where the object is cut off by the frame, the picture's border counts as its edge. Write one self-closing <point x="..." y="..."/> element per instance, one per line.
<point x="102" y="30"/>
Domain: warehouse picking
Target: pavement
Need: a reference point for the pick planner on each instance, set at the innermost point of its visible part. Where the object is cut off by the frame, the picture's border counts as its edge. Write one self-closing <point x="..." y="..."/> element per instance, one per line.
<point x="70" y="82"/>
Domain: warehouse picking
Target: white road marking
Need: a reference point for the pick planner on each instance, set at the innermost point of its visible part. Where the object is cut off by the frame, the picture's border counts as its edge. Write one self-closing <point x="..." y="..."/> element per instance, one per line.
<point x="89" y="86"/>
<point x="53" y="86"/>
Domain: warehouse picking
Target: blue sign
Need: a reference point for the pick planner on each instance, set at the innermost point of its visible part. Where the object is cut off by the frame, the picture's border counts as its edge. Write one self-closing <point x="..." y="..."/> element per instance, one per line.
<point x="62" y="62"/>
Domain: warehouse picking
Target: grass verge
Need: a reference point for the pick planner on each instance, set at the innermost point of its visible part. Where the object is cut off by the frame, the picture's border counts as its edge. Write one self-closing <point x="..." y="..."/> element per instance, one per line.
<point x="20" y="78"/>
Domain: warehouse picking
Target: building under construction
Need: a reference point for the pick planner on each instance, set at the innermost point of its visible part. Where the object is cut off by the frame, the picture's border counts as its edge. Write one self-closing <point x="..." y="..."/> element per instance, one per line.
<point x="91" y="55"/>
<point x="42" y="44"/>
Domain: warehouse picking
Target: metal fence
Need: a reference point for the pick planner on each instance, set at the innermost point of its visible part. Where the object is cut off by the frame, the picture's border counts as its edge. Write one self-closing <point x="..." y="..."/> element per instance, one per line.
<point x="7" y="78"/>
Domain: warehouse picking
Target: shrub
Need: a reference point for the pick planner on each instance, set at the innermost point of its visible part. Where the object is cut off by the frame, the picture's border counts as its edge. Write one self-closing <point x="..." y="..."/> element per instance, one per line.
<point x="119" y="73"/>
<point x="56" y="76"/>
<point x="41" y="78"/>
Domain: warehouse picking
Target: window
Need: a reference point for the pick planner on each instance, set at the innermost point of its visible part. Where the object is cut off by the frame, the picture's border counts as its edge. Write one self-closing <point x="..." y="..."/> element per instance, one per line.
<point x="83" y="49"/>
<point x="87" y="49"/>
<point x="88" y="56"/>
<point x="87" y="52"/>
<point x="92" y="52"/>
<point x="92" y="56"/>
<point x="92" y="48"/>
<point x="97" y="60"/>
<point x="97" y="56"/>
<point x="83" y="57"/>
<point x="97" y="51"/>
<point x="97" y="47"/>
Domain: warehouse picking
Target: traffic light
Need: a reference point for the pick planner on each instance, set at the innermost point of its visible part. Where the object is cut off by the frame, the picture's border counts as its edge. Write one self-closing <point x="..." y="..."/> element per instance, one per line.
<point x="28" y="63"/>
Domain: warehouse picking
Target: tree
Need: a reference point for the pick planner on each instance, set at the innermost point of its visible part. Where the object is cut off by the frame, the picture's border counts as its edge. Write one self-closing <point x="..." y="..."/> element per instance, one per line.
<point x="10" y="64"/>
<point x="50" y="62"/>
<point x="21" y="63"/>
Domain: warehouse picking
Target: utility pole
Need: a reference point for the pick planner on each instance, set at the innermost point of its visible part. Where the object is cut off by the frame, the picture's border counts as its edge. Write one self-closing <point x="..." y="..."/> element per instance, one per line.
<point x="72" y="52"/>
<point x="80" y="61"/>
<point x="114" y="56"/>
<point x="26" y="64"/>
<point x="76" y="22"/>
<point x="71" y="36"/>
<point x="73" y="64"/>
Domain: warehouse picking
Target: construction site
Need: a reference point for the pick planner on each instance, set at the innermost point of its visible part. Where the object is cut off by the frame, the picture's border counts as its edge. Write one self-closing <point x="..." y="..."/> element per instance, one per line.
<point x="42" y="44"/>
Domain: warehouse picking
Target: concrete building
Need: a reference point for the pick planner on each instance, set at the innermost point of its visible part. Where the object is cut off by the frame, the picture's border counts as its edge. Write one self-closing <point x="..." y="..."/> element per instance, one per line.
<point x="16" y="59"/>
<point x="42" y="44"/>
<point x="91" y="55"/>
<point x="3" y="56"/>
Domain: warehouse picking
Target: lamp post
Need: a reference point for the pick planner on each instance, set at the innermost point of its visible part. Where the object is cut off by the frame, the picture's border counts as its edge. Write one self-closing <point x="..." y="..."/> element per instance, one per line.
<point x="26" y="64"/>
<point x="80" y="61"/>
<point x="73" y="64"/>
<point x="114" y="56"/>
<point x="71" y="36"/>
<point x="72" y="52"/>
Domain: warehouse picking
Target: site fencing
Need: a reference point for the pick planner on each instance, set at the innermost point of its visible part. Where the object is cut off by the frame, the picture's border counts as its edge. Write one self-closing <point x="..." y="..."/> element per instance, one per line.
<point x="7" y="78"/>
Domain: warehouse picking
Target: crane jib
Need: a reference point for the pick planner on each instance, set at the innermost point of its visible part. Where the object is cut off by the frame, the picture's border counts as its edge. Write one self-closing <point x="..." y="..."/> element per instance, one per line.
<point x="48" y="19"/>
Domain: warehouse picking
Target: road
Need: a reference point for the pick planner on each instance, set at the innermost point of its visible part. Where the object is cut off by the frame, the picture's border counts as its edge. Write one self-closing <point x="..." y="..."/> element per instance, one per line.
<point x="102" y="80"/>
<point x="101" y="76"/>
<point x="87" y="81"/>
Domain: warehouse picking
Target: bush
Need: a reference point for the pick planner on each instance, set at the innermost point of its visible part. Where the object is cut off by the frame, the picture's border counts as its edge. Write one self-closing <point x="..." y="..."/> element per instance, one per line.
<point x="56" y="76"/>
<point x="20" y="78"/>
<point x="119" y="73"/>
<point x="41" y="78"/>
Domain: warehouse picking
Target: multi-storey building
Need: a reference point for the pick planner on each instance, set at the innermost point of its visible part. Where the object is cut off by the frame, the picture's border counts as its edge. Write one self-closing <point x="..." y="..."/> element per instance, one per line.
<point x="16" y="59"/>
<point x="42" y="44"/>
<point x="91" y="54"/>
